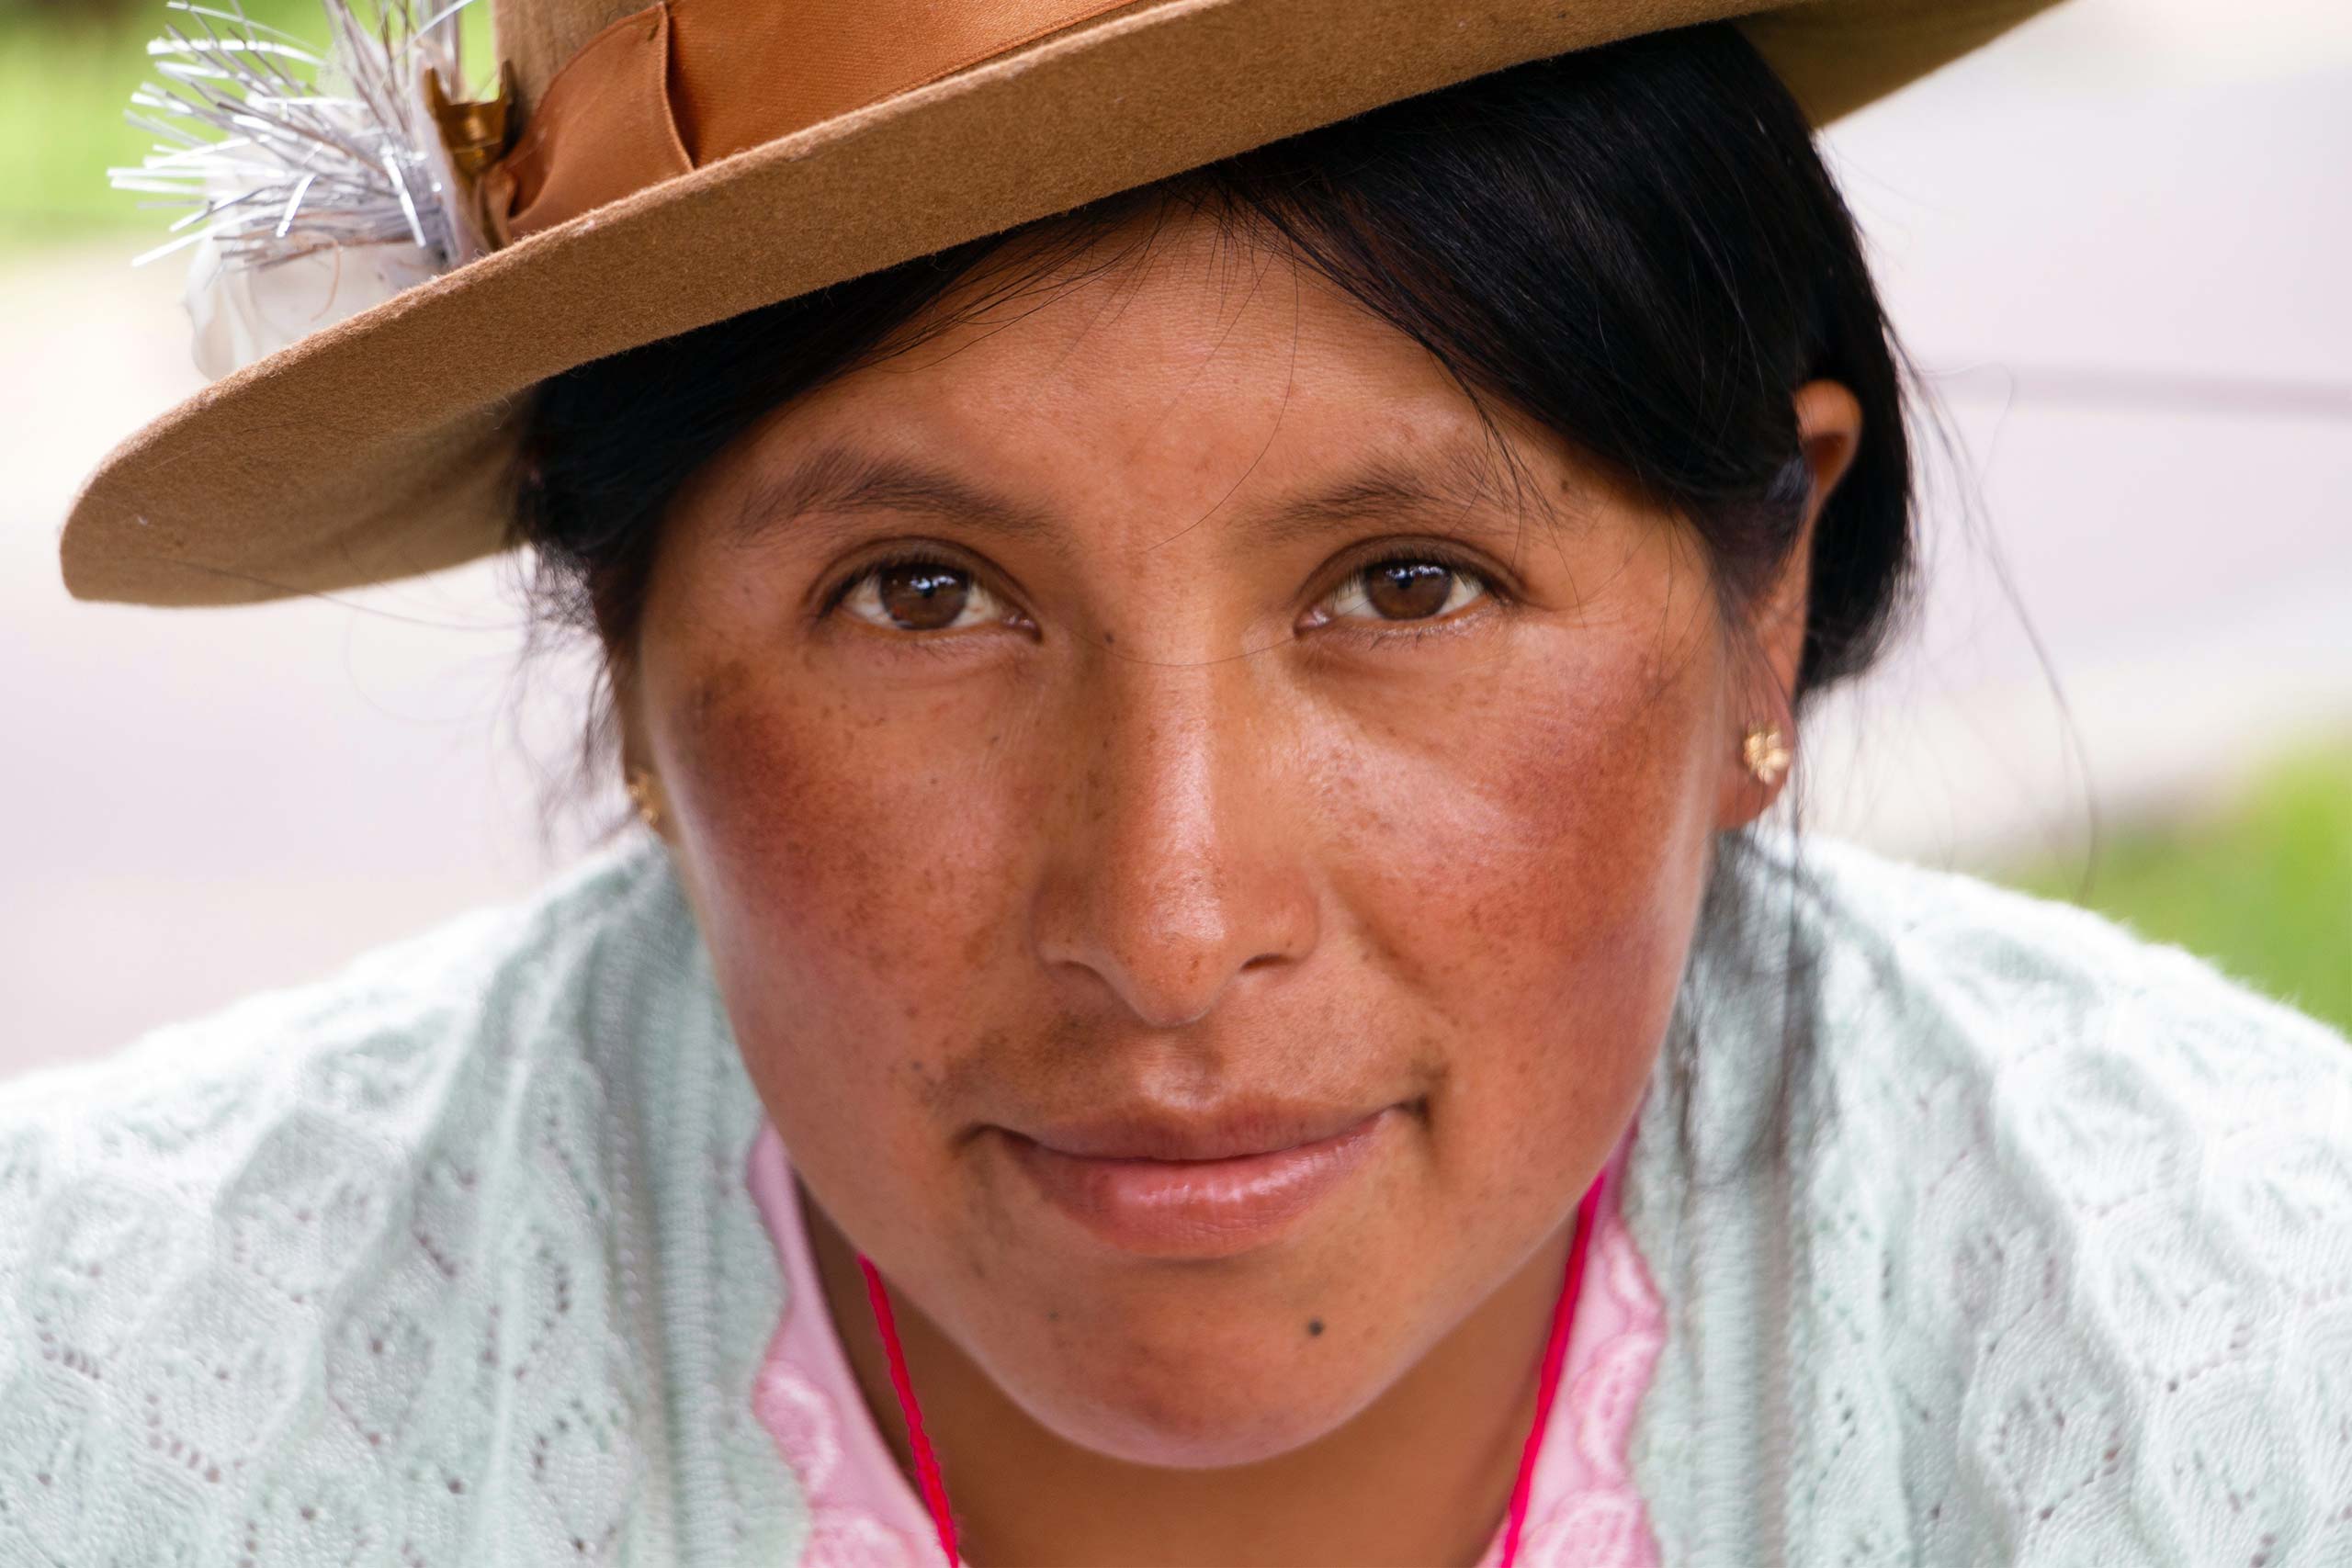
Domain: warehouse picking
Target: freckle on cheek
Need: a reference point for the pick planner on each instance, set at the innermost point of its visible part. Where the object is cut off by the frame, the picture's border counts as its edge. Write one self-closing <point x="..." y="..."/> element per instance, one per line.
<point x="744" y="764"/>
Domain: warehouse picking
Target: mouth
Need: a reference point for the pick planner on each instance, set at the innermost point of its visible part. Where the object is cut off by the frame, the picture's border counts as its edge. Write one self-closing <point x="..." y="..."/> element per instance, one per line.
<point x="1198" y="1187"/>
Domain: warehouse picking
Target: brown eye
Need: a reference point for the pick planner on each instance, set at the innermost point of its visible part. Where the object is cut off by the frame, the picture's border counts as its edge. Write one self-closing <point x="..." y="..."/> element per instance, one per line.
<point x="919" y="596"/>
<point x="1406" y="588"/>
<point x="923" y="598"/>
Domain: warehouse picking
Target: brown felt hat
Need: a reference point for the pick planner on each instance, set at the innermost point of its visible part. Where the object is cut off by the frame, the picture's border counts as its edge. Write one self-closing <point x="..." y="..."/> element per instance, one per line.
<point x="665" y="167"/>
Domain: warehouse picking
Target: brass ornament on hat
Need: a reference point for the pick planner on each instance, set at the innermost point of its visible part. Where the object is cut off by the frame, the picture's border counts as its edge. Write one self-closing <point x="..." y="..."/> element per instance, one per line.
<point x="475" y="133"/>
<point x="1765" y="756"/>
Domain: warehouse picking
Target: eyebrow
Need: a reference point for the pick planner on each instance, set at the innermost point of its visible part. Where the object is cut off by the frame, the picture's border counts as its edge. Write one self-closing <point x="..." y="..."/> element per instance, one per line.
<point x="840" y="481"/>
<point x="1445" y="495"/>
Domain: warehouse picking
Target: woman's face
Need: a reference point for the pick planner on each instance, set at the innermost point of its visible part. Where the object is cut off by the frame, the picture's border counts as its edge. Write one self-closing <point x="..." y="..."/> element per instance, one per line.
<point x="1149" y="726"/>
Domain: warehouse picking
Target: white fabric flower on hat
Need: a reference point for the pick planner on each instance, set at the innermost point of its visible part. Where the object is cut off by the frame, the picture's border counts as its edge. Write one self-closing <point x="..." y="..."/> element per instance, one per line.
<point x="328" y="188"/>
<point x="243" y="312"/>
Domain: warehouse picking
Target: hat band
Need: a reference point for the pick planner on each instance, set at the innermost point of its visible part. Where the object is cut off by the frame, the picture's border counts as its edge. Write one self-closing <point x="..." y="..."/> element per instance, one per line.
<point x="684" y="82"/>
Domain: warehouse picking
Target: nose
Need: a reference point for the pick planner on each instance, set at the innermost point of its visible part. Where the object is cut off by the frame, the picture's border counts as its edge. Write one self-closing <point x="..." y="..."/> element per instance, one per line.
<point x="1178" y="860"/>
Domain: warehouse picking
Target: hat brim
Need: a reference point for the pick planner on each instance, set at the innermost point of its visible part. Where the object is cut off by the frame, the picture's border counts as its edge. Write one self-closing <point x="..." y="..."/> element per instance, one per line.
<point x="379" y="448"/>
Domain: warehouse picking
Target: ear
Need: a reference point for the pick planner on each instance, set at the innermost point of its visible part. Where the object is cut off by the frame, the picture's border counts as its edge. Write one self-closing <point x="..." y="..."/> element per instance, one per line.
<point x="635" y="748"/>
<point x="1830" y="432"/>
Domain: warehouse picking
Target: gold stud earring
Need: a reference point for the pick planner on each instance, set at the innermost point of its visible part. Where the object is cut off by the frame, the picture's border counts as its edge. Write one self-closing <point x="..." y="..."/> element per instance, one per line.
<point x="641" y="792"/>
<point x="1766" y="757"/>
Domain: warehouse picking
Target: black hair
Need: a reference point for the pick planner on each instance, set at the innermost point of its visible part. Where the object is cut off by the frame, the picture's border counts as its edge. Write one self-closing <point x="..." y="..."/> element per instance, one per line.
<point x="1637" y="245"/>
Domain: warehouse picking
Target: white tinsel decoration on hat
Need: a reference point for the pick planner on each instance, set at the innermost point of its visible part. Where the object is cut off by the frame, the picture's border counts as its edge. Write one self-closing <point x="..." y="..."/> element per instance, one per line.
<point x="326" y="187"/>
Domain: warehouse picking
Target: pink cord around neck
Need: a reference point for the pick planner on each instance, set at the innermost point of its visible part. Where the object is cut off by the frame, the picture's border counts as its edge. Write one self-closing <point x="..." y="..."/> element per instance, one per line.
<point x="1555" y="1356"/>
<point x="934" y="1490"/>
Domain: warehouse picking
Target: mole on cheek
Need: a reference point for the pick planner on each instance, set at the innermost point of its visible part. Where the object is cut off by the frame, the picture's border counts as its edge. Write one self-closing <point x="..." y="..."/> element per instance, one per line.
<point x="1314" y="1326"/>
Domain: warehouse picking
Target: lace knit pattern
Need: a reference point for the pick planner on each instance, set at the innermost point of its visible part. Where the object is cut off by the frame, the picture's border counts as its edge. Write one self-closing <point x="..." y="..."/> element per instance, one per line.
<point x="433" y="1265"/>
<point x="2059" y="1272"/>
<point x="448" y="1261"/>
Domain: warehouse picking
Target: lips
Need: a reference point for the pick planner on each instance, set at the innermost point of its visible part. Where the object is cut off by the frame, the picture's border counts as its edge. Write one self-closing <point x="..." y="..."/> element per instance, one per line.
<point x="1209" y="1186"/>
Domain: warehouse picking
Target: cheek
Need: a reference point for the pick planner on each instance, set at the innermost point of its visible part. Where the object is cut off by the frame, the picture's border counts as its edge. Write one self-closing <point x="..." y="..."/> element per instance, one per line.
<point x="843" y="885"/>
<point x="1526" y="855"/>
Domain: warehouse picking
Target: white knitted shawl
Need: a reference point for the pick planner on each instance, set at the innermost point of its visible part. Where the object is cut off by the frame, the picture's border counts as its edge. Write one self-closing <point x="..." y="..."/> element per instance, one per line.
<point x="448" y="1261"/>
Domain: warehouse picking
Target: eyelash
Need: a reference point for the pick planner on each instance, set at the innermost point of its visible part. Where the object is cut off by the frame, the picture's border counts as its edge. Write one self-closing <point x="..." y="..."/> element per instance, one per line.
<point x="912" y="556"/>
<point x="1377" y="631"/>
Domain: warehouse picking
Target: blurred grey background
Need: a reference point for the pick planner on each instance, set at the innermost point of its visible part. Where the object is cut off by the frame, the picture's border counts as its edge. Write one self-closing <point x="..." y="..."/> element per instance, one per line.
<point x="2117" y="242"/>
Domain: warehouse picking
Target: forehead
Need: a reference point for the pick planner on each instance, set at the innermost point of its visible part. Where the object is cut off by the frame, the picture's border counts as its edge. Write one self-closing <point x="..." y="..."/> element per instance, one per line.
<point x="1176" y="302"/>
<point x="1170" y="388"/>
<point x="1171" y="366"/>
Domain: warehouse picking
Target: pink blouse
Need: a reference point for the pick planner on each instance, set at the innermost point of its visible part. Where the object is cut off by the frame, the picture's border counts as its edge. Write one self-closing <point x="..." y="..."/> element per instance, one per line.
<point x="1584" y="1511"/>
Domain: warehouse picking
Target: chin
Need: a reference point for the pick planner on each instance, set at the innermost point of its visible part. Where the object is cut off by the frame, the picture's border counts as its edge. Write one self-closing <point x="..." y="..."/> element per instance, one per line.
<point x="1161" y="1409"/>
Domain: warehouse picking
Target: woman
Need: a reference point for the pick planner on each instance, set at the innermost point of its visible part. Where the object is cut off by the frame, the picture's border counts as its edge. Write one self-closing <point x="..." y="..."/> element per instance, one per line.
<point x="1204" y="982"/>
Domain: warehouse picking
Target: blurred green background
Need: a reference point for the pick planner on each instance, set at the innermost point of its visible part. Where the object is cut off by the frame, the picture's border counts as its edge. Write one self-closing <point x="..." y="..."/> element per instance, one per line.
<point x="2259" y="879"/>
<point x="2259" y="882"/>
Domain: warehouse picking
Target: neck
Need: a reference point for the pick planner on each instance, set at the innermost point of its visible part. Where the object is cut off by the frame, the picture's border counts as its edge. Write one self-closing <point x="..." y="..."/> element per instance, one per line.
<point x="1422" y="1475"/>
